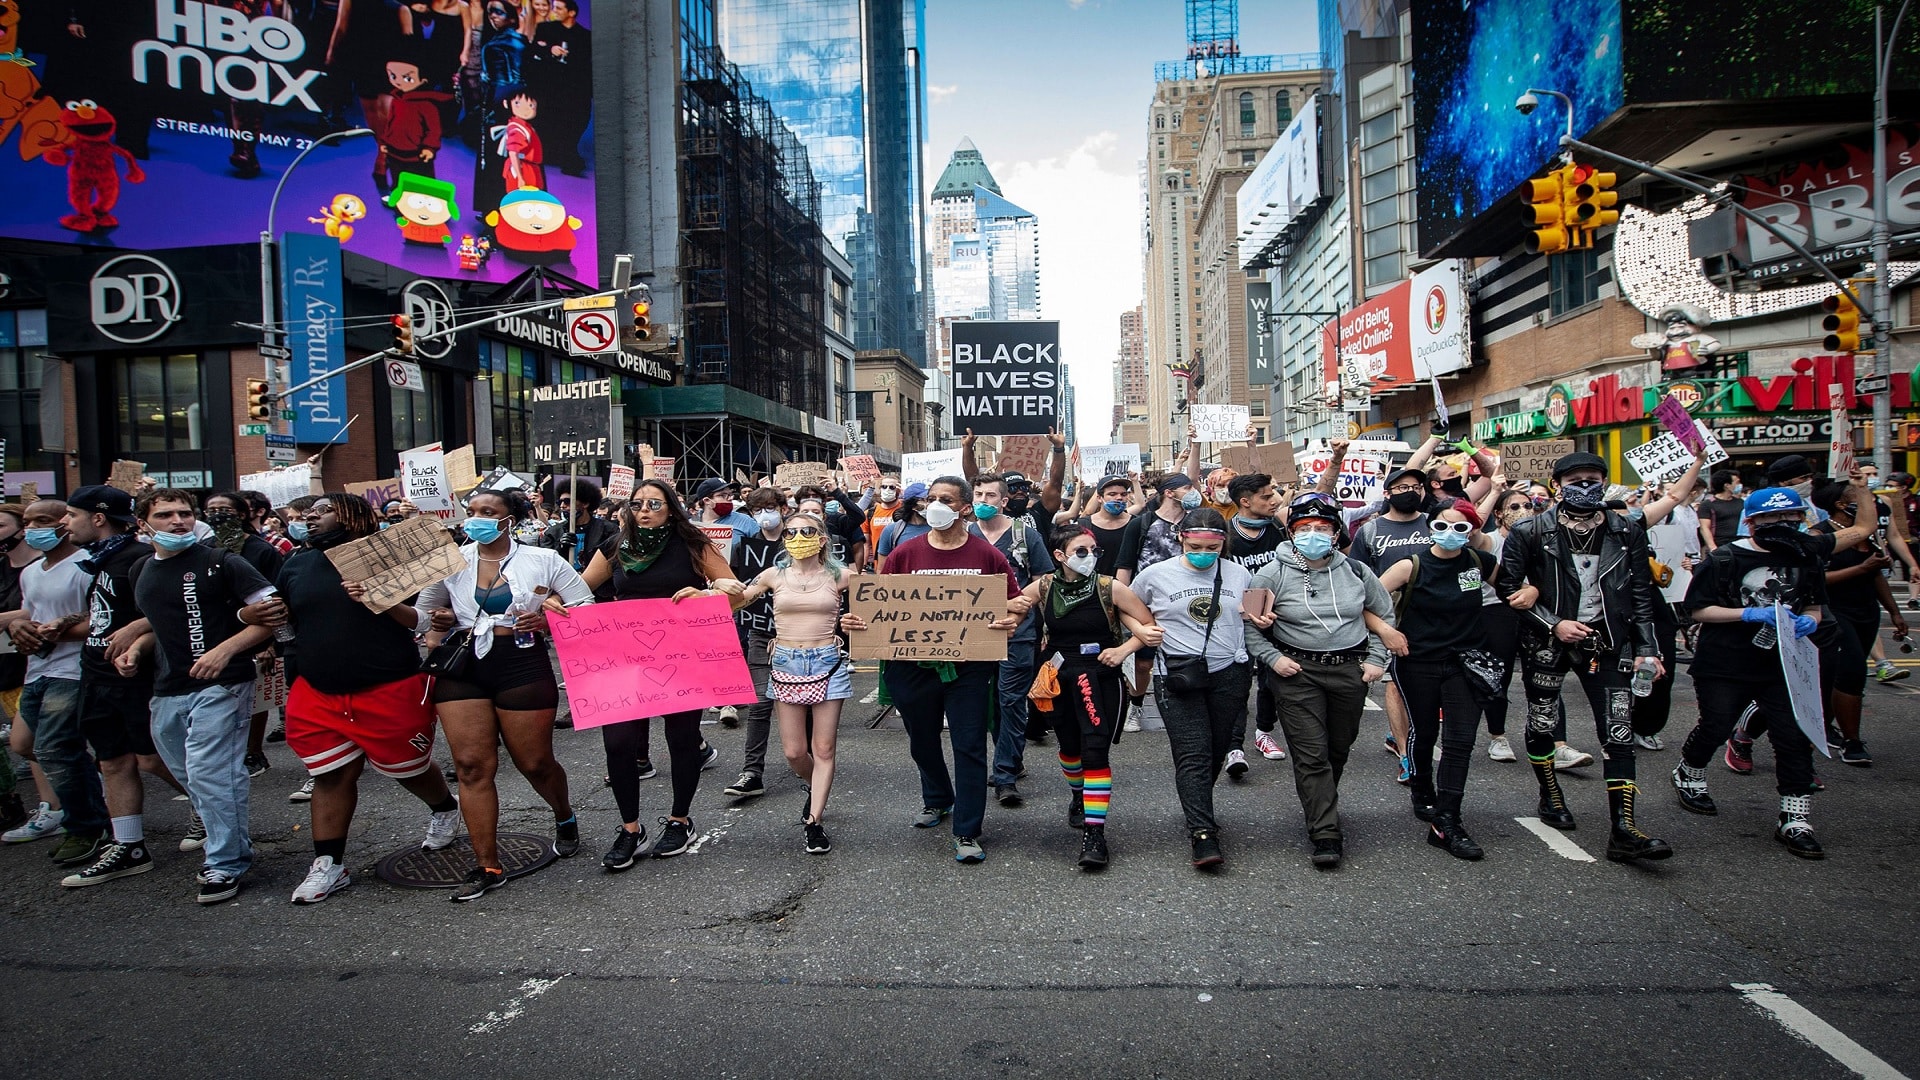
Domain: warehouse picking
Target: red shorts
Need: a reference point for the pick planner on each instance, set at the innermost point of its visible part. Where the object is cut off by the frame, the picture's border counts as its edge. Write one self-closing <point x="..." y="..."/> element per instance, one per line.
<point x="391" y="724"/>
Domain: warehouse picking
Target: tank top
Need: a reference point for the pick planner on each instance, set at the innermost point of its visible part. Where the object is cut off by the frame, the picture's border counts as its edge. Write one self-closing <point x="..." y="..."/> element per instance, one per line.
<point x="1085" y="623"/>
<point x="1443" y="613"/>
<point x="672" y="571"/>
<point x="495" y="599"/>
<point x="804" y="616"/>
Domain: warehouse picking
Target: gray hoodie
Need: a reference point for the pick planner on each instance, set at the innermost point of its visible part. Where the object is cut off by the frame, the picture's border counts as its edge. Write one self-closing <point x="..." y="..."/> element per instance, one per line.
<point x="1327" y="619"/>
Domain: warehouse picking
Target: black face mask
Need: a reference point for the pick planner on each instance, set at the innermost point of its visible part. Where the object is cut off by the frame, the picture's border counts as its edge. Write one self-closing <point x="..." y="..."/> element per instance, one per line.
<point x="1454" y="488"/>
<point x="1584" y="496"/>
<point x="1016" y="507"/>
<point x="1406" y="502"/>
<point x="11" y="542"/>
<point x="1781" y="539"/>
<point x="320" y="541"/>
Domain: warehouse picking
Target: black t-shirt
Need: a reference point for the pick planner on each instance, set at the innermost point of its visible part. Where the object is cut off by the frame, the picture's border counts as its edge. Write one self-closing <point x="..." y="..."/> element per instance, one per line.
<point x="110" y="606"/>
<point x="13" y="665"/>
<point x="1725" y="515"/>
<point x="264" y="556"/>
<point x="751" y="555"/>
<point x="344" y="648"/>
<point x="193" y="600"/>
<point x="1737" y="577"/>
<point x="1855" y="598"/>
<point x="1443" y="612"/>
<point x="1258" y="551"/>
<point x="1108" y="540"/>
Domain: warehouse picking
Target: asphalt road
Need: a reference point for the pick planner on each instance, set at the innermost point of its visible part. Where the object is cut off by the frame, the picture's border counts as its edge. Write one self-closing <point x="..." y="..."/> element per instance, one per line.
<point x="885" y="958"/>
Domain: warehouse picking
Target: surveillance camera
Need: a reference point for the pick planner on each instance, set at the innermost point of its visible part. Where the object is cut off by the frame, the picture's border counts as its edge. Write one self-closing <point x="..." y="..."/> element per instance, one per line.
<point x="1527" y="103"/>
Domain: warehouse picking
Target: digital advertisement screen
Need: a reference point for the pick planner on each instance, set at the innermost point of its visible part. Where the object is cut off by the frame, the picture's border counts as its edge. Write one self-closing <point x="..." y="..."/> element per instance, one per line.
<point x="153" y="124"/>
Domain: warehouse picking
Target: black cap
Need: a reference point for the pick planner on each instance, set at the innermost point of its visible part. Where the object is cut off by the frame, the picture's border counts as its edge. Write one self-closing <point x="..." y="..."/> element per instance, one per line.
<point x="1395" y="476"/>
<point x="1578" y="460"/>
<point x="709" y="488"/>
<point x="1108" y="481"/>
<point x="1015" y="480"/>
<point x="1791" y="467"/>
<point x="101" y="499"/>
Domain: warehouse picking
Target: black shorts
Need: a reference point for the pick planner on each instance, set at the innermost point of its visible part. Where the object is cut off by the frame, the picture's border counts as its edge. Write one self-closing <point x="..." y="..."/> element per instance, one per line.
<point x="116" y="715"/>
<point x="516" y="679"/>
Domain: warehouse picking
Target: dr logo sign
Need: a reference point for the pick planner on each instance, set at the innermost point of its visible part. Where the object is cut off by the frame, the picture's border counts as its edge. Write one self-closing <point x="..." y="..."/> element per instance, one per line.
<point x="134" y="299"/>
<point x="225" y="54"/>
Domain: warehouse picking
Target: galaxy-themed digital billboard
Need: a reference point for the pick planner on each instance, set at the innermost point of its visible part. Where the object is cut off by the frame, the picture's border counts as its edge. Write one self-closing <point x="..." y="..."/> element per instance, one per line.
<point x="153" y="124"/>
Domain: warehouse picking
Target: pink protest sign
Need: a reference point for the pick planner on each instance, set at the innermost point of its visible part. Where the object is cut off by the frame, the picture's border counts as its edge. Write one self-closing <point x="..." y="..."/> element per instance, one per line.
<point x="1677" y="420"/>
<point x="641" y="658"/>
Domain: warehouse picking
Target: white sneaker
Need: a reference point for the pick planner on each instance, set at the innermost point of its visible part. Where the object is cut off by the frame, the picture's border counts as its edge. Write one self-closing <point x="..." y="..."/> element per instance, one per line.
<point x="1269" y="748"/>
<point x="441" y="829"/>
<point x="304" y="793"/>
<point x="40" y="825"/>
<point x="1566" y="757"/>
<point x="1236" y="763"/>
<point x="196" y="837"/>
<point x="1499" y="749"/>
<point x="326" y="878"/>
<point x="1133" y="720"/>
<point x="730" y="715"/>
<point x="1649" y="742"/>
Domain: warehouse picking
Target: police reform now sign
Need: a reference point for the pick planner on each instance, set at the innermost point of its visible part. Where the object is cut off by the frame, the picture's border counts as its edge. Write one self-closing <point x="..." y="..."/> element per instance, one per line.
<point x="1006" y="377"/>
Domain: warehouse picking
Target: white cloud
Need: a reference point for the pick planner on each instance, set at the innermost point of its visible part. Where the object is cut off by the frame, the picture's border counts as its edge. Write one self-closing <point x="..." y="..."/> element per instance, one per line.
<point x="1088" y="205"/>
<point x="942" y="93"/>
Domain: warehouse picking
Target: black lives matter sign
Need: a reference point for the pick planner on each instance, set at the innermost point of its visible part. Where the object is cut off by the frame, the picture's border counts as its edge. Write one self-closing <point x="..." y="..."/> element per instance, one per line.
<point x="1006" y="377"/>
<point x="573" y="422"/>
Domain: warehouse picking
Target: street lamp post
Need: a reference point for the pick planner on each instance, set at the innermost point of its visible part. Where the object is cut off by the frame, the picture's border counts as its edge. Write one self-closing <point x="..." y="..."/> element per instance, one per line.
<point x="1882" y="241"/>
<point x="271" y="334"/>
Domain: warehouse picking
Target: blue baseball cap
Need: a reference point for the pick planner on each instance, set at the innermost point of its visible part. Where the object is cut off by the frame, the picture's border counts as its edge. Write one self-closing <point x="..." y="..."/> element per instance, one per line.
<point x="915" y="490"/>
<point x="1772" y="500"/>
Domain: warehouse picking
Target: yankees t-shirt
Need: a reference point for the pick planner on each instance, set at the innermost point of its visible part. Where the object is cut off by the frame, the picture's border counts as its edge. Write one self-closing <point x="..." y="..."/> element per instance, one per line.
<point x="1382" y="541"/>
<point x="1736" y="576"/>
<point x="193" y="600"/>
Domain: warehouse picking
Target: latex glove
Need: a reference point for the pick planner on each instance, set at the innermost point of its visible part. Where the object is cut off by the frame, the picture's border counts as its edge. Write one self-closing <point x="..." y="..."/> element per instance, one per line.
<point x="1761" y="615"/>
<point x="1804" y="625"/>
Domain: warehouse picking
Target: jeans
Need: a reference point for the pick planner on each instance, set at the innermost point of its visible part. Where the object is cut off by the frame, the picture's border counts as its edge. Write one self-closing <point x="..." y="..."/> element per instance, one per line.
<point x="202" y="736"/>
<point x="1199" y="727"/>
<point x="1441" y="706"/>
<point x="1544" y="664"/>
<point x="759" y="715"/>
<point x="1016" y="678"/>
<point x="51" y="709"/>
<point x="922" y="700"/>
<point x="1320" y="708"/>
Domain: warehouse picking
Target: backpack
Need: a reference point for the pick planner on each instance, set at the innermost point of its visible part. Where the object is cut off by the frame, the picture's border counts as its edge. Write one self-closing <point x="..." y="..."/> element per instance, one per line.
<point x="1102" y="590"/>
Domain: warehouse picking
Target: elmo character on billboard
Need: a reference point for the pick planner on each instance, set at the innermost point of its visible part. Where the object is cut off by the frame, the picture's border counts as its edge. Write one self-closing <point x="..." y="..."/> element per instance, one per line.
<point x="93" y="181"/>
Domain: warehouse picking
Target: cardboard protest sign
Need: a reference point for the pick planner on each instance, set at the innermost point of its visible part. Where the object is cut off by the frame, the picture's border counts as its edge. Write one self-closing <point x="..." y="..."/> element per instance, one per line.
<point x="1840" y="455"/>
<point x="1220" y="423"/>
<point x="379" y="492"/>
<point x="1026" y="455"/>
<point x="640" y="658"/>
<point x="928" y="617"/>
<point x="1363" y="473"/>
<point x="795" y="474"/>
<point x="862" y="471"/>
<point x="572" y="421"/>
<point x="397" y="562"/>
<point x="461" y="474"/>
<point x="923" y="468"/>
<point x="660" y="468"/>
<point x="1115" y="459"/>
<point x="423" y="477"/>
<point x="126" y="475"/>
<point x="29" y="493"/>
<point x="1662" y="458"/>
<point x="1274" y="459"/>
<point x="1529" y="461"/>
<point x="620" y="482"/>
<point x="280" y="486"/>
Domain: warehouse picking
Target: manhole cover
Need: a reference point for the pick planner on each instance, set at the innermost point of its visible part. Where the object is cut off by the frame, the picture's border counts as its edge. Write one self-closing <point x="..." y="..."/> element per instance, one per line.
<point x="417" y="868"/>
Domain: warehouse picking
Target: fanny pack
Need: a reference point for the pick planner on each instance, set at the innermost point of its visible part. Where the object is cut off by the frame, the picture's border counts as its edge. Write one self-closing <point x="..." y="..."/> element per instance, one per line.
<point x="1186" y="674"/>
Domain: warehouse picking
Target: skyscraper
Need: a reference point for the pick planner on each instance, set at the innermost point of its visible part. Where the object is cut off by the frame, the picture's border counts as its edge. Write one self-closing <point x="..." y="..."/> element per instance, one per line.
<point x="985" y="252"/>
<point x="847" y="76"/>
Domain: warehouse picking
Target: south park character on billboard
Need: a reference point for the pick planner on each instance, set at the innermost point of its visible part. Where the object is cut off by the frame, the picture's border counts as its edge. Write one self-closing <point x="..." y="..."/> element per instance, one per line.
<point x="533" y="227"/>
<point x="215" y="99"/>
<point x="425" y="205"/>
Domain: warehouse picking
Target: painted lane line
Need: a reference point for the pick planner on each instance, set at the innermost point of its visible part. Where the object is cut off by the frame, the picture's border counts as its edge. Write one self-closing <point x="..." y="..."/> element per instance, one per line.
<point x="1804" y="1025"/>
<point x="514" y="1006"/>
<point x="1554" y="839"/>
<point x="873" y="695"/>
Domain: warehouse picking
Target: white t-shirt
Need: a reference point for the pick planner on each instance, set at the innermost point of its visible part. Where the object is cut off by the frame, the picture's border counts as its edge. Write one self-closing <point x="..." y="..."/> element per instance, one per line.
<point x="1177" y="594"/>
<point x="49" y="593"/>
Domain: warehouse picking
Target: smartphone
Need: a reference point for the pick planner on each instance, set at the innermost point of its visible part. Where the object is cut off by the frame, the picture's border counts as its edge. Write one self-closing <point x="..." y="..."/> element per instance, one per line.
<point x="1256" y="602"/>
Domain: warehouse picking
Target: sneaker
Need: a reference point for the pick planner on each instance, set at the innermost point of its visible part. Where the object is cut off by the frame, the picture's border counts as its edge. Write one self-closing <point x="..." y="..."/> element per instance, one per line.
<point x="1269" y="747"/>
<point x="1854" y="752"/>
<point x="729" y="716"/>
<point x="217" y="885"/>
<point x="1327" y="854"/>
<point x="1392" y="746"/>
<point x="1133" y="721"/>
<point x="1499" y="749"/>
<point x="196" y="835"/>
<point x="1406" y="768"/>
<point x="1886" y="672"/>
<point x="748" y="786"/>
<point x="1835" y="741"/>
<point x="40" y="824"/>
<point x="303" y="793"/>
<point x="1206" y="850"/>
<point x="1009" y="795"/>
<point x="1692" y="792"/>
<point x="675" y="838"/>
<point x="817" y="842"/>
<point x="74" y="850"/>
<point x="256" y="764"/>
<point x="1649" y="742"/>
<point x="710" y="756"/>
<point x="625" y="849"/>
<point x="1566" y="757"/>
<point x="1236" y="764"/>
<point x="479" y="882"/>
<point x="929" y="817"/>
<point x="324" y="878"/>
<point x="1816" y="785"/>
<point x="442" y="827"/>
<point x="566" y="837"/>
<point x="646" y="770"/>
<point x="967" y="849"/>
<point x="117" y="861"/>
<point x="278" y="734"/>
<point x="1739" y="756"/>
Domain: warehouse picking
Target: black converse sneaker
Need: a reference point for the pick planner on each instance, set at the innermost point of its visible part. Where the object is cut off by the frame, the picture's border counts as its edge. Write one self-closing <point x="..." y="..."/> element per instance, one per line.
<point x="1691" y="785"/>
<point x="1795" y="830"/>
<point x="116" y="861"/>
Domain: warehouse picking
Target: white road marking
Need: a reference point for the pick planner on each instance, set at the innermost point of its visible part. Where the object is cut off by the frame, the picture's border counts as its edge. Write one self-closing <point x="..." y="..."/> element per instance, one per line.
<point x="1554" y="839"/>
<point x="1804" y="1025"/>
<point x="873" y="695"/>
<point x="514" y="1006"/>
<point x="1373" y="707"/>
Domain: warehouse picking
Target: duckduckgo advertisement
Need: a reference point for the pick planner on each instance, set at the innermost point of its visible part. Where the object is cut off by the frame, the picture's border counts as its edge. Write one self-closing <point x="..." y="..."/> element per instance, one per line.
<point x="153" y="124"/>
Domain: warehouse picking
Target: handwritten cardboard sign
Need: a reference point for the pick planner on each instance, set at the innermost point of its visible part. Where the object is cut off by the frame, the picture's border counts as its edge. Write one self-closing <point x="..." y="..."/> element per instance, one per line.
<point x="1116" y="459"/>
<point x="1840" y="455"/>
<point x="1220" y="423"/>
<point x="862" y="471"/>
<point x="1274" y="459"/>
<point x="397" y="562"/>
<point x="1662" y="458"/>
<point x="660" y="468"/>
<point x="924" y="468"/>
<point x="462" y="476"/>
<point x="640" y="658"/>
<point x="1024" y="454"/>
<point x="280" y="486"/>
<point x="928" y="617"/>
<point x="126" y="475"/>
<point x="1531" y="461"/>
<point x="795" y="474"/>
<point x="1363" y="474"/>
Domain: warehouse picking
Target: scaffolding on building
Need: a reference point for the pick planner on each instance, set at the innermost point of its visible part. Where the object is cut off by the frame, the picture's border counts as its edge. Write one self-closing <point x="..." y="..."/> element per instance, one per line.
<point x="1213" y="47"/>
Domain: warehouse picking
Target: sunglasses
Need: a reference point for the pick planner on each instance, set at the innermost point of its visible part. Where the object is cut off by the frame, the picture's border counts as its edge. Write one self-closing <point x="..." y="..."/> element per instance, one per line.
<point x="1075" y="553"/>
<point x="804" y="530"/>
<point x="1453" y="526"/>
<point x="650" y="504"/>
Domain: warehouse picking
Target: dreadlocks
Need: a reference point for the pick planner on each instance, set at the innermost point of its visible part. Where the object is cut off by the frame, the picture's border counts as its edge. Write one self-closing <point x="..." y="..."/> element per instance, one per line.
<point x="355" y="513"/>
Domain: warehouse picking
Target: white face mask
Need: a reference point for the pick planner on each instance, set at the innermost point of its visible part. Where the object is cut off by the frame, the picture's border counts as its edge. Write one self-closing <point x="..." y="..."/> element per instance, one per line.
<point x="941" y="516"/>
<point x="888" y="494"/>
<point x="768" y="520"/>
<point x="1083" y="564"/>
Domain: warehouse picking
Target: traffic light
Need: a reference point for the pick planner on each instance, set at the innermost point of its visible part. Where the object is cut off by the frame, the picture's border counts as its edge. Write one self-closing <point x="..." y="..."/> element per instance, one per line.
<point x="403" y="334"/>
<point x="642" y="320"/>
<point x="1910" y="436"/>
<point x="1545" y="213"/>
<point x="259" y="403"/>
<point x="1842" y="324"/>
<point x="1593" y="201"/>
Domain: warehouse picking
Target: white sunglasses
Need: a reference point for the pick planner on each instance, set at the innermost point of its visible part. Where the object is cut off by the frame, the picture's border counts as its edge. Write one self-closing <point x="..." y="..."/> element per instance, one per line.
<point x="1453" y="526"/>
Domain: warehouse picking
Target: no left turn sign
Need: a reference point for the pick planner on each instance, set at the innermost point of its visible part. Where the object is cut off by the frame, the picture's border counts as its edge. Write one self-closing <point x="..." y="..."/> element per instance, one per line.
<point x="591" y="333"/>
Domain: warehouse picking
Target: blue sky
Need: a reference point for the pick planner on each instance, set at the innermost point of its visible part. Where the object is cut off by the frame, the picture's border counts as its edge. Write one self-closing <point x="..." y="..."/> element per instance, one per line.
<point x="1055" y="93"/>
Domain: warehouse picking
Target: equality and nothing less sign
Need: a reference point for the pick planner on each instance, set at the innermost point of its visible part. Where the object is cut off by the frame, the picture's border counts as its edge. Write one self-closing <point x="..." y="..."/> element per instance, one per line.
<point x="639" y="658"/>
<point x="1006" y="377"/>
<point x="928" y="617"/>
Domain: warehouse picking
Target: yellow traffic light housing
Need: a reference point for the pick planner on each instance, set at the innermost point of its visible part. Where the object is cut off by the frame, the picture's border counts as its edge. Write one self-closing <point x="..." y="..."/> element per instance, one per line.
<point x="1593" y="200"/>
<point x="1545" y="213"/>
<point x="1910" y="436"/>
<point x="1842" y="324"/>
<point x="259" y="401"/>
<point x="642" y="320"/>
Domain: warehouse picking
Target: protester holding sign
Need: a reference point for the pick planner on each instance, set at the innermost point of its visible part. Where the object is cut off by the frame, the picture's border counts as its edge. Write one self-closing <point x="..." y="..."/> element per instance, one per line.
<point x="497" y="683"/>
<point x="1049" y="499"/>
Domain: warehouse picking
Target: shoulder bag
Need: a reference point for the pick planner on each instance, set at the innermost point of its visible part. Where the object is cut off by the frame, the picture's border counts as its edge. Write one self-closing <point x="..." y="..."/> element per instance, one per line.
<point x="1186" y="674"/>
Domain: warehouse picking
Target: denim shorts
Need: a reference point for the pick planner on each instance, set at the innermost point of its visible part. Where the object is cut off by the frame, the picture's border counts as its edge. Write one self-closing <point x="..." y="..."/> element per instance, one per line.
<point x="816" y="661"/>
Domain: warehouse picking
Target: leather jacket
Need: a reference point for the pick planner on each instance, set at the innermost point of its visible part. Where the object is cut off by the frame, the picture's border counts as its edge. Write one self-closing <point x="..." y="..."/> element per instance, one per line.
<point x="1536" y="554"/>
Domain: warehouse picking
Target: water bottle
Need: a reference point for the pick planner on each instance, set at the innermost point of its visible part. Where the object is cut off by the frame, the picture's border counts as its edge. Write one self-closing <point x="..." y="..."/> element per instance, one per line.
<point x="284" y="632"/>
<point x="525" y="639"/>
<point x="1765" y="637"/>
<point x="1643" y="677"/>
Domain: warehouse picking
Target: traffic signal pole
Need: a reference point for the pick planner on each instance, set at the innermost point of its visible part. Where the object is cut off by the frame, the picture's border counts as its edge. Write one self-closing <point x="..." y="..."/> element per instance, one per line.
<point x="1882" y="241"/>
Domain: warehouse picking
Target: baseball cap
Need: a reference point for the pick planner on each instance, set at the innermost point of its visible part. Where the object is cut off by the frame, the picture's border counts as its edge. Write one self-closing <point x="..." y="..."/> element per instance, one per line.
<point x="101" y="499"/>
<point x="1397" y="475"/>
<point x="1772" y="500"/>
<point x="709" y="488"/>
<point x="915" y="490"/>
<point x="1016" y="481"/>
<point x="1108" y="481"/>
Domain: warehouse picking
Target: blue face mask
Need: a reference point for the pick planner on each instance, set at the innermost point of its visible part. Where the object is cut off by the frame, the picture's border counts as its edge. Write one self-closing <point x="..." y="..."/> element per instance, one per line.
<point x="985" y="511"/>
<point x="482" y="530"/>
<point x="174" y="541"/>
<point x="43" y="539"/>
<point x="1190" y="500"/>
<point x="297" y="530"/>
<point x="1202" y="560"/>
<point x="1114" y="506"/>
<point x="1313" y="545"/>
<point x="1451" y="540"/>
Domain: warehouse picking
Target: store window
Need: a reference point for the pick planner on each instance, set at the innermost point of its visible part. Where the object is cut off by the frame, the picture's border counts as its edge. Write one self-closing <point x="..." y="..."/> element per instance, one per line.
<point x="417" y="414"/>
<point x="23" y="334"/>
<point x="510" y="372"/>
<point x="1574" y="279"/>
<point x="161" y="404"/>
